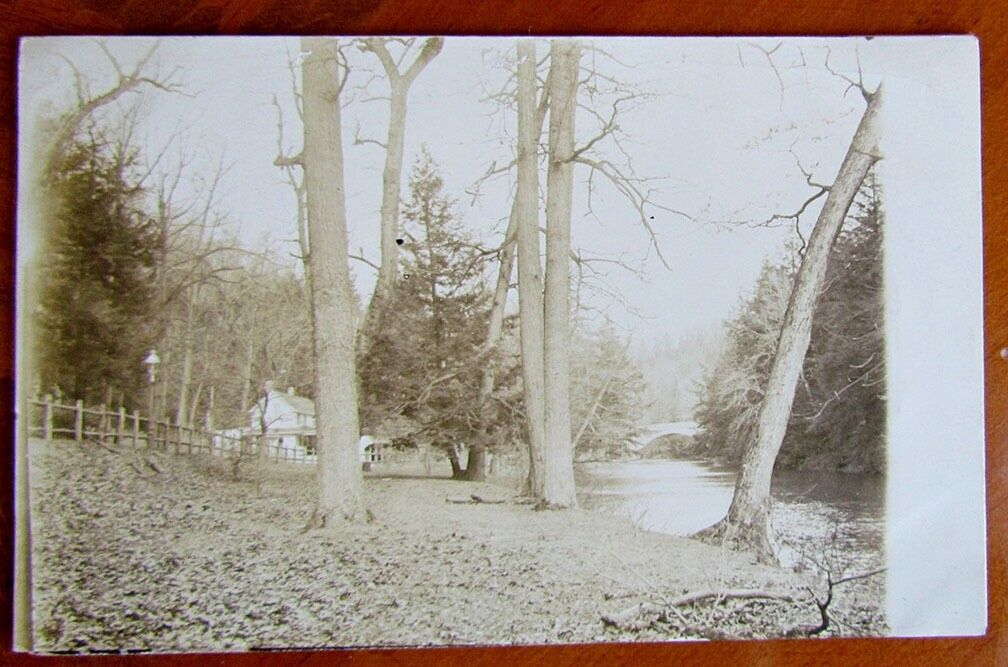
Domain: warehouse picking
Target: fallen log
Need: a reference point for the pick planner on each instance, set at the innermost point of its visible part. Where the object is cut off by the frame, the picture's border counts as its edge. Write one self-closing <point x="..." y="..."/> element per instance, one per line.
<point x="473" y="499"/>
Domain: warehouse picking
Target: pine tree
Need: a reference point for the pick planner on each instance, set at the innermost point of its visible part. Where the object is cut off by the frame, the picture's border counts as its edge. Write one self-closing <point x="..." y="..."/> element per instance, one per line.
<point x="424" y="362"/>
<point x="95" y="274"/>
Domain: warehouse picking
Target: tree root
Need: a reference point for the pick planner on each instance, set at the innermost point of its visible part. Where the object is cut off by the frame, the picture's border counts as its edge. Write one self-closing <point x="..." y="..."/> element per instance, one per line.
<point x="738" y="538"/>
<point x="319" y="520"/>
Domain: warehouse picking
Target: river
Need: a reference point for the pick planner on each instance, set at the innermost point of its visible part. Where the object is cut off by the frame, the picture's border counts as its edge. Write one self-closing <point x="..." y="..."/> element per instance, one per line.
<point x="828" y="516"/>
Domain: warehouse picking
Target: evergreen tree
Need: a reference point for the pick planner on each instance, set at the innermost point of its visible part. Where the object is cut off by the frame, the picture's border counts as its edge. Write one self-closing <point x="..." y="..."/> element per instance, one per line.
<point x="95" y="271"/>
<point x="424" y="362"/>
<point x="607" y="396"/>
<point x="840" y="411"/>
<point x="838" y="418"/>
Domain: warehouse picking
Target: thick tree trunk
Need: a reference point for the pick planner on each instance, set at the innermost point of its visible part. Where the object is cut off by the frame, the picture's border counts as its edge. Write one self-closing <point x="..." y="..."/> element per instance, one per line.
<point x="339" y="469"/>
<point x="747" y="524"/>
<point x="476" y="466"/>
<point x="558" y="490"/>
<point x="495" y="324"/>
<point x="530" y="291"/>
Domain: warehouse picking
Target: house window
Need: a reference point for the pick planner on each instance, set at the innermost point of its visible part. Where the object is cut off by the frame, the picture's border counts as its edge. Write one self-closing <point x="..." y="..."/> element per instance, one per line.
<point x="308" y="443"/>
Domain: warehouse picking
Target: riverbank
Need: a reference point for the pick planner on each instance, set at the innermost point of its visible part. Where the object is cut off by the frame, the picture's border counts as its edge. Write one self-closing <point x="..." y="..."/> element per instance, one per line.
<point x="157" y="552"/>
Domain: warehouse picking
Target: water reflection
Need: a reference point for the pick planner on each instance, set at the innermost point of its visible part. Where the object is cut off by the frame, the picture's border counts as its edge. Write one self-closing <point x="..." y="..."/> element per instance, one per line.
<point x="823" y="515"/>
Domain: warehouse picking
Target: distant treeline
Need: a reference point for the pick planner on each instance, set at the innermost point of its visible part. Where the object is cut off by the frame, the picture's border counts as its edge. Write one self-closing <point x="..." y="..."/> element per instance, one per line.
<point x="839" y="415"/>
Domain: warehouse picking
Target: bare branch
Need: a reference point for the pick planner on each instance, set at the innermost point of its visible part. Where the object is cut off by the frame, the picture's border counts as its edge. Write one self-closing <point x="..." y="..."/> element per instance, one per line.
<point x="851" y="83"/>
<point x="361" y="258"/>
<point x="637" y="197"/>
<point x="432" y="46"/>
<point x="768" y="54"/>
<point x="361" y="141"/>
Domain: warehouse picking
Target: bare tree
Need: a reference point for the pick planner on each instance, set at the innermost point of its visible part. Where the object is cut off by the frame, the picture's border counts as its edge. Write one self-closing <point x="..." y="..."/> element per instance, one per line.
<point x="746" y="525"/>
<point x="476" y="466"/>
<point x="339" y="469"/>
<point x="400" y="81"/>
<point x="144" y="73"/>
<point x="530" y="290"/>
<point x="558" y="489"/>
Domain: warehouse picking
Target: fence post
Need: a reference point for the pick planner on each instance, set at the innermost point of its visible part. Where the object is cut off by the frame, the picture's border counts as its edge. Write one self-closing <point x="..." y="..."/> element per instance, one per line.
<point x="136" y="429"/>
<point x="121" y="425"/>
<point x="48" y="423"/>
<point x="79" y="421"/>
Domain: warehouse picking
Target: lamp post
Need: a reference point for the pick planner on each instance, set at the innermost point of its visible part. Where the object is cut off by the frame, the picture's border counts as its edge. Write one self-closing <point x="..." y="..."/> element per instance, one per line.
<point x="151" y="362"/>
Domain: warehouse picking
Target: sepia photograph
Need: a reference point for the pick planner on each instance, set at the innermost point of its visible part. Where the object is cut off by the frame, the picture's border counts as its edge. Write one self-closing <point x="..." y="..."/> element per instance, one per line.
<point x="419" y="341"/>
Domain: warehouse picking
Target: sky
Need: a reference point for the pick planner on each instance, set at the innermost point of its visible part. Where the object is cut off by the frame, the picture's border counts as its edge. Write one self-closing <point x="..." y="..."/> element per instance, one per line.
<point x="712" y="123"/>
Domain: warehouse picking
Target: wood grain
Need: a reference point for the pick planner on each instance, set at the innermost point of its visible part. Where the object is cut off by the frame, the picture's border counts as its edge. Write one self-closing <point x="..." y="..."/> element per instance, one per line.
<point x="987" y="20"/>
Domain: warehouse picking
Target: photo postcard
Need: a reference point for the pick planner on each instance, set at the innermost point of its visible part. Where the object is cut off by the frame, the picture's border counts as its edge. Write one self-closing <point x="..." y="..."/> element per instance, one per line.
<point x="418" y="341"/>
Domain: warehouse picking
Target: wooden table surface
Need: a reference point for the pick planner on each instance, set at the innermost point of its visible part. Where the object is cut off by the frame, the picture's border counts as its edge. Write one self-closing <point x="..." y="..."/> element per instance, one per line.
<point x="987" y="20"/>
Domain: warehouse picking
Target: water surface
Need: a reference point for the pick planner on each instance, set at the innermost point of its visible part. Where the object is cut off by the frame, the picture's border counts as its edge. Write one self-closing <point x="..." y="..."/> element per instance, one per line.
<point x="814" y="515"/>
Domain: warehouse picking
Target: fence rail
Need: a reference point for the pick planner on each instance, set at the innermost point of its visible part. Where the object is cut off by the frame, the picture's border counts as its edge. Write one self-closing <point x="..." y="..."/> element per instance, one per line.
<point x="50" y="420"/>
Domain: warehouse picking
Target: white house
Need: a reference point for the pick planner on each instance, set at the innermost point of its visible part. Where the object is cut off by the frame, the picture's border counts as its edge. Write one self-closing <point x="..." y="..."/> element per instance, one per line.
<point x="288" y="420"/>
<point x="289" y="425"/>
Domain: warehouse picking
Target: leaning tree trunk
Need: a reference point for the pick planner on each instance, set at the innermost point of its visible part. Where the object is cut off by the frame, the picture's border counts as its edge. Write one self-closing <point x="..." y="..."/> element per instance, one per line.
<point x="339" y="467"/>
<point x="558" y="489"/>
<point x="530" y="294"/>
<point x="747" y="524"/>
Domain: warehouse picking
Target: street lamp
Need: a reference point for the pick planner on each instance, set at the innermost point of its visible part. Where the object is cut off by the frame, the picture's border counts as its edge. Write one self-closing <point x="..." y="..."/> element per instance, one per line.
<point x="151" y="362"/>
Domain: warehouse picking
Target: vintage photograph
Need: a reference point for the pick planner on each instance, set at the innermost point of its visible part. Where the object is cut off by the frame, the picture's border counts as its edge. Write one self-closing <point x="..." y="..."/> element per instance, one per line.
<point x="411" y="341"/>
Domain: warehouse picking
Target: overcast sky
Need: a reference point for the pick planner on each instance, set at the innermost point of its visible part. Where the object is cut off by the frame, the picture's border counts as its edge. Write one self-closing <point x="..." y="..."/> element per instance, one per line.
<point x="715" y="129"/>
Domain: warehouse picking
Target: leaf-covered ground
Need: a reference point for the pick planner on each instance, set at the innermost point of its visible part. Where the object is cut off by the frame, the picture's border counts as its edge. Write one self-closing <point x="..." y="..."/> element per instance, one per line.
<point x="150" y="551"/>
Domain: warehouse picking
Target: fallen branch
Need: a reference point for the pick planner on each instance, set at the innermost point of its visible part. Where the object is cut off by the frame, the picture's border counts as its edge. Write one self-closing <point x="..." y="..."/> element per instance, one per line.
<point x="629" y="619"/>
<point x="729" y="595"/>
<point x="473" y="499"/>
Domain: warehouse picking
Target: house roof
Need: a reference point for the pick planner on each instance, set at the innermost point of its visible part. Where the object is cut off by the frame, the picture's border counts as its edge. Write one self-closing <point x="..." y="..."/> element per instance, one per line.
<point x="297" y="404"/>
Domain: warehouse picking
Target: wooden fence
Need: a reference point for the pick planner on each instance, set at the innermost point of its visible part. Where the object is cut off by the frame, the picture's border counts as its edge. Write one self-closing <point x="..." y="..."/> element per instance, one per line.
<point x="50" y="420"/>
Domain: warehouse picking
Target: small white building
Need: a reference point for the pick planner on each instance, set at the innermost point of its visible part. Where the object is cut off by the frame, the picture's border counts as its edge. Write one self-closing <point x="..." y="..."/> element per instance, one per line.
<point x="289" y="425"/>
<point x="288" y="420"/>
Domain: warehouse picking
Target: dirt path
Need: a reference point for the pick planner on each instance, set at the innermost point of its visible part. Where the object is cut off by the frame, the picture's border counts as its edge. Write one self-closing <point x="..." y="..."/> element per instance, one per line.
<point x="182" y="557"/>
